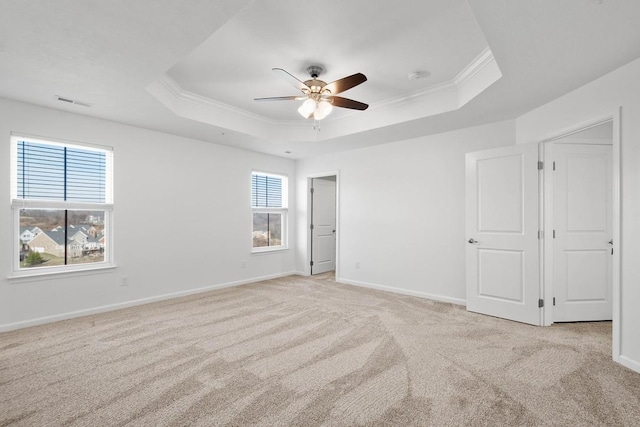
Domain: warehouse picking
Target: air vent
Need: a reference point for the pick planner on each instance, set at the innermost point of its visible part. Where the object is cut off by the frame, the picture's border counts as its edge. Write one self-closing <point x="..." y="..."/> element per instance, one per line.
<point x="73" y="101"/>
<point x="417" y="75"/>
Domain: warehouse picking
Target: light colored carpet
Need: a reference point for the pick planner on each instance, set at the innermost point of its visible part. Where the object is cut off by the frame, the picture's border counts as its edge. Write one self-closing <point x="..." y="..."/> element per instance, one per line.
<point x="306" y="352"/>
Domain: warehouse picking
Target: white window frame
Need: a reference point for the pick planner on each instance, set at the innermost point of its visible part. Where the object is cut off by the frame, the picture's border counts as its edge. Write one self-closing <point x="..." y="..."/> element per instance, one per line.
<point x="18" y="204"/>
<point x="283" y="212"/>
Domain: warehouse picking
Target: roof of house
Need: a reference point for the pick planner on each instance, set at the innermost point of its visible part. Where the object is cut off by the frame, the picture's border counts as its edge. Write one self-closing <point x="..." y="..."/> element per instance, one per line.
<point x="58" y="234"/>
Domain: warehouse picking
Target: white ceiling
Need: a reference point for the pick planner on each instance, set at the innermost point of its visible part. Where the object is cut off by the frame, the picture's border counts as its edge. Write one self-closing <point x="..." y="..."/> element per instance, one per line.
<point x="441" y="37"/>
<point x="192" y="68"/>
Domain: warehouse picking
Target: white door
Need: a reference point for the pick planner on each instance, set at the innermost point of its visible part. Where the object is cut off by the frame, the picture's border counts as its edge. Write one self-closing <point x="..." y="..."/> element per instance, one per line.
<point x="323" y="220"/>
<point x="582" y="245"/>
<point x="503" y="277"/>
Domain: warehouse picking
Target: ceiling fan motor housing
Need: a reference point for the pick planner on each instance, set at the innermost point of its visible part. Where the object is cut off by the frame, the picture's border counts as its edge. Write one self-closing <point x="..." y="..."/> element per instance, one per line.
<point x="315" y="85"/>
<point x="314" y="71"/>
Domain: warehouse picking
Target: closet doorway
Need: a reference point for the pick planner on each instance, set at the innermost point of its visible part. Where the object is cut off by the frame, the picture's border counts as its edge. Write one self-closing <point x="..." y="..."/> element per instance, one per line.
<point x="579" y="210"/>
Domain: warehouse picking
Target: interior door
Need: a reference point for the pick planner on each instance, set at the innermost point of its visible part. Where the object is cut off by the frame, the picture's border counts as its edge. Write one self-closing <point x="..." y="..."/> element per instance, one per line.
<point x="323" y="220"/>
<point x="582" y="223"/>
<point x="502" y="257"/>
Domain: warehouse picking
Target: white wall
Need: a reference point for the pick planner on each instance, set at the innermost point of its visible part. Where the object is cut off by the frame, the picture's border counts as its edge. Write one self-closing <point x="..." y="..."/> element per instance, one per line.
<point x="182" y="217"/>
<point x="597" y="99"/>
<point x="401" y="211"/>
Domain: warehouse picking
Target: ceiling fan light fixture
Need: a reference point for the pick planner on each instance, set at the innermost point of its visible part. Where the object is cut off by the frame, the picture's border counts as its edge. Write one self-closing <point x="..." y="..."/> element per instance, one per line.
<point x="307" y="108"/>
<point x="322" y="110"/>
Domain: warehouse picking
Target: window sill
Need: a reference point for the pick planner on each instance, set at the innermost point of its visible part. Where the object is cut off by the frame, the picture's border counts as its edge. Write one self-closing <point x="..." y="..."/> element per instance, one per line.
<point x="268" y="250"/>
<point x="29" y="276"/>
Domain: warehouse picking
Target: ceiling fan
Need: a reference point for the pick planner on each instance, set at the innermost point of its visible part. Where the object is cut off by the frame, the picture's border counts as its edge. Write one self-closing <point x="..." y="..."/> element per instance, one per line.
<point x="319" y="97"/>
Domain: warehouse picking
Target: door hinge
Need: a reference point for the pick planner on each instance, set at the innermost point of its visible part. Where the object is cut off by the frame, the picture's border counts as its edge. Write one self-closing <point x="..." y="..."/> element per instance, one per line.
<point x="540" y="303"/>
<point x="311" y="227"/>
<point x="540" y="165"/>
<point x="540" y="234"/>
<point x="311" y="263"/>
<point x="554" y="301"/>
<point x="554" y="234"/>
<point x="554" y="165"/>
<point x="311" y="190"/>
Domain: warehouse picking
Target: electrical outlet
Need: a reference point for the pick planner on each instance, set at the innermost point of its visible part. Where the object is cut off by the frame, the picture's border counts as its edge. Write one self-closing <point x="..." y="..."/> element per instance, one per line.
<point x="243" y="264"/>
<point x="358" y="265"/>
<point x="124" y="281"/>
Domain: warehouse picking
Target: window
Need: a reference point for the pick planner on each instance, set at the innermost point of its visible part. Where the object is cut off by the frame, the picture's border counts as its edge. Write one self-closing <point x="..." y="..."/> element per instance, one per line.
<point x="62" y="201"/>
<point x="269" y="194"/>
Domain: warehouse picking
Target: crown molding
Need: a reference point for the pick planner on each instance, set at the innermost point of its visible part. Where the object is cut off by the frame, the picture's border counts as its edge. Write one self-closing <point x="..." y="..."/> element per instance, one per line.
<point x="182" y="95"/>
<point x="465" y="76"/>
<point x="476" y="66"/>
<point x="447" y="96"/>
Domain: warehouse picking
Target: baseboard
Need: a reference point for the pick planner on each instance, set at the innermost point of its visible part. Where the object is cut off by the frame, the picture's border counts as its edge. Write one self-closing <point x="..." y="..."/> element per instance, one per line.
<point x="402" y="291"/>
<point x="104" y="308"/>
<point x="629" y="363"/>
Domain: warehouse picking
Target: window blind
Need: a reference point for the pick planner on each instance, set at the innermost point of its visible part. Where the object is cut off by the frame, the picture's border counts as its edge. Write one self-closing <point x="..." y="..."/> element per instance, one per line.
<point x="266" y="191"/>
<point x="57" y="172"/>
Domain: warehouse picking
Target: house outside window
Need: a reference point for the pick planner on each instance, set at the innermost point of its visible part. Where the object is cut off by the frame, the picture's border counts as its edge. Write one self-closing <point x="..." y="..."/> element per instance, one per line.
<point x="269" y="196"/>
<point x="62" y="203"/>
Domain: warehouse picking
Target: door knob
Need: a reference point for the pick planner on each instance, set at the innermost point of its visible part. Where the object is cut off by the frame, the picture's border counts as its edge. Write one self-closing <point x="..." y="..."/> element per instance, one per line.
<point x="472" y="241"/>
<point x="610" y="242"/>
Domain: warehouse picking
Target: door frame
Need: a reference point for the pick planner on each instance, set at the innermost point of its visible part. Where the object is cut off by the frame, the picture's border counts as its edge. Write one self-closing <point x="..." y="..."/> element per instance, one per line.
<point x="310" y="177"/>
<point x="547" y="276"/>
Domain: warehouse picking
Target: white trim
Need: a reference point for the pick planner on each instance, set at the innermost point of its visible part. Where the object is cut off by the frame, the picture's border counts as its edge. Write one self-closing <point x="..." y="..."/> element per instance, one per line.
<point x="268" y="249"/>
<point x="546" y="260"/>
<point x="547" y="297"/>
<point x="270" y="210"/>
<point x="60" y="204"/>
<point x="629" y="363"/>
<point x="581" y="127"/>
<point x="181" y="95"/>
<point x="45" y="273"/>
<point x="402" y="291"/>
<point x="454" y="85"/>
<point x="473" y="68"/>
<point x="430" y="91"/>
<point x="616" y="345"/>
<point x="584" y="141"/>
<point x="111" y="307"/>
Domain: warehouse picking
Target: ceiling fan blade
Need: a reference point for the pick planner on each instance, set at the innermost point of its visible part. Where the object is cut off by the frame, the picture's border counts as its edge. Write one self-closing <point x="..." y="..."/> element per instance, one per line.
<point x="345" y="84"/>
<point x="280" y="98"/>
<point x="338" y="101"/>
<point x="291" y="79"/>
